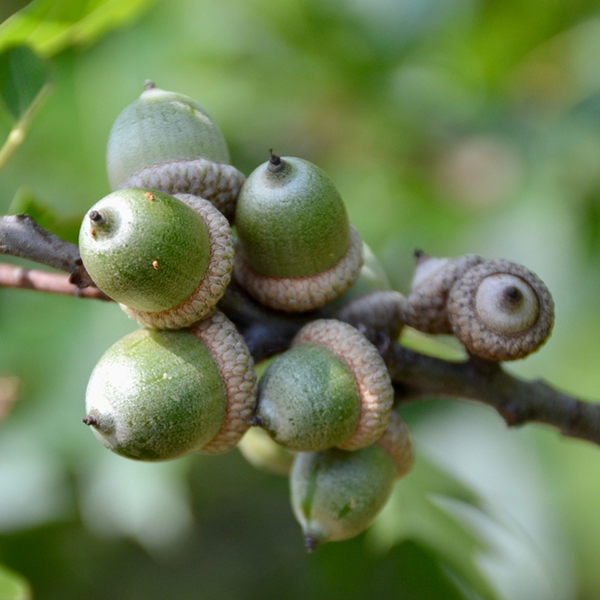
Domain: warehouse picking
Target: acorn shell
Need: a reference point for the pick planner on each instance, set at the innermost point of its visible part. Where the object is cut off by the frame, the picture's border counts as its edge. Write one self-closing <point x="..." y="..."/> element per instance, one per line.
<point x="262" y="452"/>
<point x="425" y="307"/>
<point x="159" y="395"/>
<point x="337" y="494"/>
<point x="167" y="141"/>
<point x="166" y="260"/>
<point x="144" y="249"/>
<point x="297" y="250"/>
<point x="308" y="399"/>
<point x="501" y="311"/>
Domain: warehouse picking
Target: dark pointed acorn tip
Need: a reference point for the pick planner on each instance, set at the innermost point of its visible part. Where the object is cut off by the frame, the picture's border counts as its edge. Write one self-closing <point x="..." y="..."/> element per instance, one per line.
<point x="310" y="543"/>
<point x="255" y="421"/>
<point x="419" y="255"/>
<point x="275" y="162"/>
<point x="95" y="217"/>
<point x="90" y="420"/>
<point x="149" y="85"/>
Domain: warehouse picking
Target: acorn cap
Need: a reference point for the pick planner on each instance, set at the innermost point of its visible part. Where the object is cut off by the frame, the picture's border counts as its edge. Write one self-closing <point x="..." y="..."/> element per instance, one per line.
<point x="425" y="306"/>
<point x="369" y="371"/>
<point x="155" y="395"/>
<point x="211" y="288"/>
<point x="397" y="442"/>
<point x="218" y="183"/>
<point x="236" y="367"/>
<point x="380" y="310"/>
<point x="301" y="294"/>
<point x="501" y="311"/>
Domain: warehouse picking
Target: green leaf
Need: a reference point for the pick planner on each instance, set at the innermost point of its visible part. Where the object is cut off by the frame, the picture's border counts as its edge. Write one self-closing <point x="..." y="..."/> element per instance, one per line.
<point x="23" y="75"/>
<point x="50" y="26"/>
<point x="24" y="83"/>
<point x="422" y="509"/>
<point x="13" y="586"/>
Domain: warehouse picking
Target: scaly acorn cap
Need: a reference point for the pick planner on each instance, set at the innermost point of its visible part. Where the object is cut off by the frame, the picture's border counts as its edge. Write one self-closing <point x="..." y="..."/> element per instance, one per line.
<point x="167" y="141"/>
<point x="425" y="307"/>
<point x="297" y="250"/>
<point x="500" y="311"/>
<point x="236" y="366"/>
<point x="331" y="388"/>
<point x="166" y="260"/>
<point x="159" y="395"/>
<point x="336" y="494"/>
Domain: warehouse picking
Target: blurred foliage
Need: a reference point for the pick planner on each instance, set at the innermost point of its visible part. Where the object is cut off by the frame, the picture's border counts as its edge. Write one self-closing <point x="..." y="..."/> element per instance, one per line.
<point x="454" y="126"/>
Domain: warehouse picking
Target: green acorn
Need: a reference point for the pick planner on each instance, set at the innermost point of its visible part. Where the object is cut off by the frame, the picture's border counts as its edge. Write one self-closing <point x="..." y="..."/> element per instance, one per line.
<point x="159" y="395"/>
<point x="167" y="141"/>
<point x="330" y="389"/>
<point x="166" y="260"/>
<point x="297" y="251"/>
<point x="336" y="495"/>
<point x="262" y="452"/>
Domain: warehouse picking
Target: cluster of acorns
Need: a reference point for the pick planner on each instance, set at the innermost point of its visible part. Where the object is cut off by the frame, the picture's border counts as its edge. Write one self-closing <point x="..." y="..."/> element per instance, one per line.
<point x="162" y="246"/>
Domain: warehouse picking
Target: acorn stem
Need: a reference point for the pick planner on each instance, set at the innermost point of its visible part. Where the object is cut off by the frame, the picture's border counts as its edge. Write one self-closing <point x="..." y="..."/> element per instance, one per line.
<point x="275" y="162"/>
<point x="90" y="420"/>
<point x="96" y="217"/>
<point x="149" y="85"/>
<point x="310" y="543"/>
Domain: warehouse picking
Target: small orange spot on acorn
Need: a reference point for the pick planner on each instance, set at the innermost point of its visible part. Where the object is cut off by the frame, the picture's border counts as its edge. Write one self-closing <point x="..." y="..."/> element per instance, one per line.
<point x="155" y="264"/>
<point x="150" y="196"/>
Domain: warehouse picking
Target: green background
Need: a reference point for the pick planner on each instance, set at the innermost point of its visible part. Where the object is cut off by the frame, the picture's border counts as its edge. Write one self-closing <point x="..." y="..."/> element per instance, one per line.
<point x="454" y="126"/>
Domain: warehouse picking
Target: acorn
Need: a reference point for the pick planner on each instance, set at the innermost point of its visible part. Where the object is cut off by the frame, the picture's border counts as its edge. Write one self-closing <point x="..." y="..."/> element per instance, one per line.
<point x="159" y="395"/>
<point x="425" y="307"/>
<point x="167" y="141"/>
<point x="336" y="494"/>
<point x="331" y="388"/>
<point x="297" y="250"/>
<point x="166" y="260"/>
<point x="500" y="311"/>
<point x="259" y="449"/>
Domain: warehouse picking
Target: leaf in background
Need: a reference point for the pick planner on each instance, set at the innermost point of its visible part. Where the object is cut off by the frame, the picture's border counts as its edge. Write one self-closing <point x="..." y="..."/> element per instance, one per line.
<point x="27" y="202"/>
<point x="23" y="75"/>
<point x="418" y="511"/>
<point x="13" y="586"/>
<point x="50" y="26"/>
<point x="24" y="83"/>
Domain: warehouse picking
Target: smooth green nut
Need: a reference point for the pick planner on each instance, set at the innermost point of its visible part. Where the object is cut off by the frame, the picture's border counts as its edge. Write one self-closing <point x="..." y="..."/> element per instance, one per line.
<point x="259" y="449"/>
<point x="144" y="249"/>
<point x="291" y="221"/>
<point x="297" y="250"/>
<point x="156" y="395"/>
<point x="161" y="127"/>
<point x="308" y="399"/>
<point x="166" y="260"/>
<point x="336" y="495"/>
